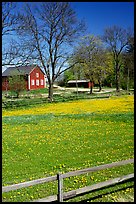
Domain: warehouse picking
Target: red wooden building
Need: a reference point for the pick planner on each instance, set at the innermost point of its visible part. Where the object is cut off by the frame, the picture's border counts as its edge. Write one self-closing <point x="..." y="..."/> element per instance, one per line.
<point x="33" y="75"/>
<point x="80" y="83"/>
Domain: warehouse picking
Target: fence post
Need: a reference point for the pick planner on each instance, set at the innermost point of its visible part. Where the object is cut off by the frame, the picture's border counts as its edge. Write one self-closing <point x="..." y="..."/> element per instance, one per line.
<point x="60" y="187"/>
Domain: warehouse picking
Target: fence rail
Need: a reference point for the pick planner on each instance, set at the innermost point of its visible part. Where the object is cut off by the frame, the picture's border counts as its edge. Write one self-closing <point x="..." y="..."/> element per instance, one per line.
<point x="66" y="195"/>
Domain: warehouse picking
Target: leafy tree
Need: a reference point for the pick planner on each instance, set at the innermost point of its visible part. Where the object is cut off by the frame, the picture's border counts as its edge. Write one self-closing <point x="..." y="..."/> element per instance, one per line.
<point x="95" y="61"/>
<point x="85" y="54"/>
<point x="17" y="82"/>
<point x="75" y="73"/>
<point x="68" y="75"/>
<point x="117" y="39"/>
<point x="129" y="63"/>
<point x="104" y="66"/>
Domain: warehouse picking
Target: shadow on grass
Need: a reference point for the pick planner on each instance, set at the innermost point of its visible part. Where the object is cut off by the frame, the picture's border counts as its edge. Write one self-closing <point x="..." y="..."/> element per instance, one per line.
<point x="93" y="198"/>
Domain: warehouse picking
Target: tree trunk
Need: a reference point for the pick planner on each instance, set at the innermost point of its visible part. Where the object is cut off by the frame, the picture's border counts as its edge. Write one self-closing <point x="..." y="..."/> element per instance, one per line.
<point x="91" y="87"/>
<point x="17" y="94"/>
<point x="128" y="80"/>
<point x="100" y="85"/>
<point x="117" y="77"/>
<point x="50" y="95"/>
<point x="77" y="87"/>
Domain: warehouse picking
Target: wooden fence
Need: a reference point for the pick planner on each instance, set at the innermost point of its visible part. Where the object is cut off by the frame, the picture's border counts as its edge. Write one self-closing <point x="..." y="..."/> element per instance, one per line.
<point x="70" y="194"/>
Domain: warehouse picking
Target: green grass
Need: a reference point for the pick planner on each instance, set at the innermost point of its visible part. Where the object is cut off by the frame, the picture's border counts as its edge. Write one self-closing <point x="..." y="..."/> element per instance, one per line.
<point x="34" y="97"/>
<point x="36" y="146"/>
<point x="29" y="101"/>
<point x="26" y="98"/>
<point x="25" y="92"/>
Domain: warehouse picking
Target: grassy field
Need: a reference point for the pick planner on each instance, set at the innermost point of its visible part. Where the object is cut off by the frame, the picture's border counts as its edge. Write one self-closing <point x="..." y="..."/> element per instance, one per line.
<point x="50" y="138"/>
<point x="61" y="94"/>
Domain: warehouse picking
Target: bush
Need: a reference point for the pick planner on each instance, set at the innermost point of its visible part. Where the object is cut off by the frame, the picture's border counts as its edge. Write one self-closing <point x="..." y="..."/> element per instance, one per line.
<point x="124" y="86"/>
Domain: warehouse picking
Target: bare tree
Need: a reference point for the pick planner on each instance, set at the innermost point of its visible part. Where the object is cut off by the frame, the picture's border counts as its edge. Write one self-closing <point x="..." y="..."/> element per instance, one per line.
<point x="49" y="31"/>
<point x="117" y="39"/>
<point x="10" y="50"/>
<point x="8" y="18"/>
<point x="13" y="53"/>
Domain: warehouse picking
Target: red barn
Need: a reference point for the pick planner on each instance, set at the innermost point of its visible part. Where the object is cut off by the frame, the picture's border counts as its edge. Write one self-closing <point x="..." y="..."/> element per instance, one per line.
<point x="33" y="75"/>
<point x="85" y="83"/>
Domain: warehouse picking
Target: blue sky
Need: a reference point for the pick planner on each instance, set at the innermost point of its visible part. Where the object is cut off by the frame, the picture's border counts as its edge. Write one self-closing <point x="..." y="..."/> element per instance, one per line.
<point x="99" y="15"/>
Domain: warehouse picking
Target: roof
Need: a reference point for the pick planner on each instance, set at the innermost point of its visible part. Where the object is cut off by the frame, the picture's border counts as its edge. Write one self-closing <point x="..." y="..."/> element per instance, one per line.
<point x="78" y="81"/>
<point x="20" y="70"/>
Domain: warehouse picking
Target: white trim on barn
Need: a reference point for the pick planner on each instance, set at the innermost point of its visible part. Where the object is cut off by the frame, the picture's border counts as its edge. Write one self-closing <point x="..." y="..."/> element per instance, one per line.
<point x="28" y="82"/>
<point x="78" y="81"/>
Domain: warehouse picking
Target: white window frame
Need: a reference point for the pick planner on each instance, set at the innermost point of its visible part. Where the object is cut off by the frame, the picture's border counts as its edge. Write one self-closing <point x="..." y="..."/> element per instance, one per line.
<point x="37" y="75"/>
<point x="32" y="82"/>
<point x="37" y="82"/>
<point x="42" y="82"/>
